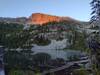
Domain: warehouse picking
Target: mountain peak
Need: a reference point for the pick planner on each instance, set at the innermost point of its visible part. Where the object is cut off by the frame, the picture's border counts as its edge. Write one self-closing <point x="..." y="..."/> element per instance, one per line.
<point x="41" y="18"/>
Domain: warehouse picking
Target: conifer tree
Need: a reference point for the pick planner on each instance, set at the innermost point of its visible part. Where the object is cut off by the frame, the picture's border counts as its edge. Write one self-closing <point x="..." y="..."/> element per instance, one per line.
<point x="95" y="4"/>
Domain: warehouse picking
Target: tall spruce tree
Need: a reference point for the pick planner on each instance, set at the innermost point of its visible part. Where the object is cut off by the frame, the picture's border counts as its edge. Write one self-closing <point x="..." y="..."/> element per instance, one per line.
<point x="95" y="4"/>
<point x="94" y="44"/>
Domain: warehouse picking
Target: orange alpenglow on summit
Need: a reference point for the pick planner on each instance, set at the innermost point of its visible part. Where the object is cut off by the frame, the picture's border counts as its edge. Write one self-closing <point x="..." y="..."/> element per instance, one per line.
<point x="40" y="18"/>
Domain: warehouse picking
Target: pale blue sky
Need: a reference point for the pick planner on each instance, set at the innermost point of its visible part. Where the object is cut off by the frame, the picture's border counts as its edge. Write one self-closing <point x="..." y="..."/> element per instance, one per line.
<point x="78" y="9"/>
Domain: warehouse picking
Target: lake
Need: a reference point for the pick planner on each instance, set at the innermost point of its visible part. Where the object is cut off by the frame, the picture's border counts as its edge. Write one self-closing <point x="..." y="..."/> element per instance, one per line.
<point x="55" y="49"/>
<point x="2" y="72"/>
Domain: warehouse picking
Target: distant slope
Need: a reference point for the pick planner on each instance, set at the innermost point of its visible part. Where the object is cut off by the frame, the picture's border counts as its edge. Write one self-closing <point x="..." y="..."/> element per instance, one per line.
<point x="21" y="20"/>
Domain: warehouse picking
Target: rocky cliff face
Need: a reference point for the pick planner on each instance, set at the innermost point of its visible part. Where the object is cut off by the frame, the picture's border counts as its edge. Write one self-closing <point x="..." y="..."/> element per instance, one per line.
<point x="39" y="18"/>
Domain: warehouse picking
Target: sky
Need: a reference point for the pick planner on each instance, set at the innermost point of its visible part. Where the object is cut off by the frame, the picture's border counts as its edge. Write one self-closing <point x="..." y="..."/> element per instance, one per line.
<point x="77" y="9"/>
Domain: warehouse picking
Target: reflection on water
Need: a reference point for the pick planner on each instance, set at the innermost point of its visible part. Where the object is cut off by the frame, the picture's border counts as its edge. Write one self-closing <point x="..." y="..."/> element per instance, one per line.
<point x="59" y="53"/>
<point x="2" y="72"/>
<point x="54" y="49"/>
<point x="1" y="60"/>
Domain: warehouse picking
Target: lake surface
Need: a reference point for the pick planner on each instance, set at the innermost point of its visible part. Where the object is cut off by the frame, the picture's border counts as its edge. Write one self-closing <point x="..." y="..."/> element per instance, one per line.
<point x="55" y="49"/>
<point x="2" y="72"/>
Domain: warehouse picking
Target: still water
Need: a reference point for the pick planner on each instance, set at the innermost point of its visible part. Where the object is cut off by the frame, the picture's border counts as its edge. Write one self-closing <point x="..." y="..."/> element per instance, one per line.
<point x="55" y="49"/>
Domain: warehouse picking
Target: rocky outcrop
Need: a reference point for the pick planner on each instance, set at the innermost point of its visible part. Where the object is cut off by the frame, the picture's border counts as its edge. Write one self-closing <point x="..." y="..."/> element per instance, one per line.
<point x="39" y="18"/>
